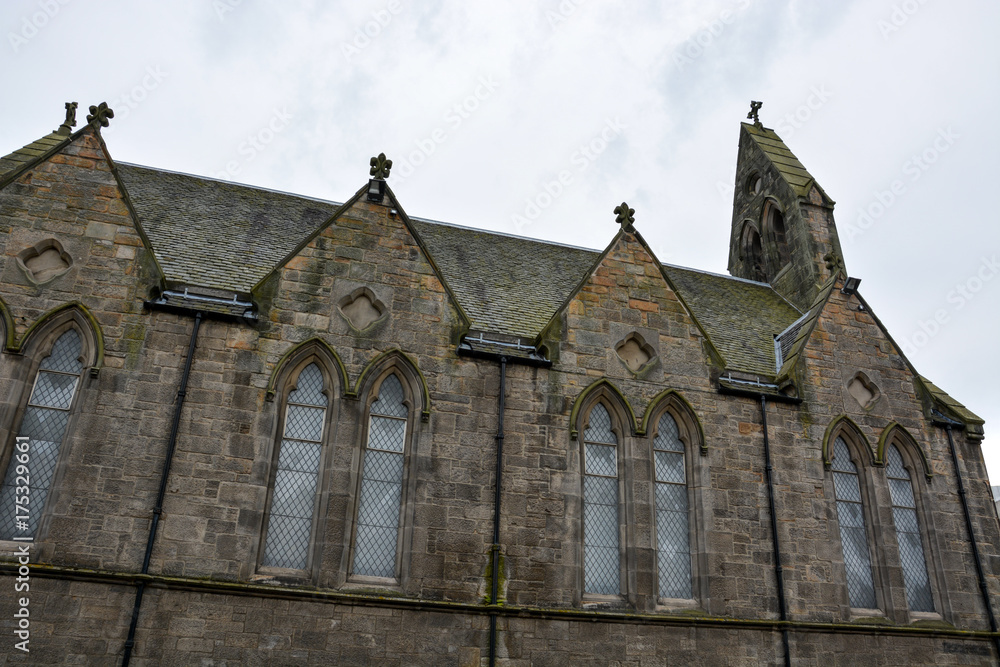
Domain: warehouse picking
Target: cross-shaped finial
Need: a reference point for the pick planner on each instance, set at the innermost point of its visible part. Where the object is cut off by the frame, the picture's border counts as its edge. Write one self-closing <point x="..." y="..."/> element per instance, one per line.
<point x="380" y="167"/>
<point x="754" y="108"/>
<point x="100" y="114"/>
<point x="624" y="216"/>
<point x="70" y="122"/>
<point x="834" y="262"/>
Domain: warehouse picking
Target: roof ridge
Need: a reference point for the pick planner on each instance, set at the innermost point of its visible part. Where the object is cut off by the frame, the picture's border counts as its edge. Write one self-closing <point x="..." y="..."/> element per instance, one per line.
<point x="234" y="183"/>
<point x="504" y="234"/>
<point x="717" y="275"/>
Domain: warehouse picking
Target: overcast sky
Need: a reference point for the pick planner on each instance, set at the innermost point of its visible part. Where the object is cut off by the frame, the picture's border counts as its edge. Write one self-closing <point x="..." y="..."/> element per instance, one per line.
<point x="891" y="105"/>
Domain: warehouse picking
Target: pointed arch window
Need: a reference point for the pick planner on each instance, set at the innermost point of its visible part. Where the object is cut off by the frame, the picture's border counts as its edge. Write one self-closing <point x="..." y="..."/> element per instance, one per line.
<point x="29" y="474"/>
<point x="911" y="548"/>
<point x="774" y="225"/>
<point x="294" y="494"/>
<point x="673" y="550"/>
<point x="753" y="254"/>
<point x="853" y="533"/>
<point x="376" y="539"/>
<point x="601" y="546"/>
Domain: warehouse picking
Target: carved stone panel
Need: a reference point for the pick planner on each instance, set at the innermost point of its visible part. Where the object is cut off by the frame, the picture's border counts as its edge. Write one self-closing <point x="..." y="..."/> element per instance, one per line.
<point x="44" y="261"/>
<point x="863" y="390"/>
<point x="361" y="308"/>
<point x="634" y="352"/>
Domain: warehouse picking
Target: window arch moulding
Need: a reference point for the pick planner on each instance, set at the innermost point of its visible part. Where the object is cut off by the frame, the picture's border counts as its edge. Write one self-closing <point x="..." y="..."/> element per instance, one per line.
<point x="405" y="365"/>
<point x="836" y="426"/>
<point x="7" y="322"/>
<point x="588" y="395"/>
<point x="692" y="434"/>
<point x="87" y="325"/>
<point x="290" y="359"/>
<point x="895" y="431"/>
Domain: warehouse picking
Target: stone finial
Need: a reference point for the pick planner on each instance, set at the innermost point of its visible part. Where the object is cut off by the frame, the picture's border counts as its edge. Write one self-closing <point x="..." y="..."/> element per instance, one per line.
<point x="624" y="216"/>
<point x="100" y="114"/>
<point x="834" y="263"/>
<point x="380" y="167"/>
<point x="67" y="127"/>
<point x="754" y="108"/>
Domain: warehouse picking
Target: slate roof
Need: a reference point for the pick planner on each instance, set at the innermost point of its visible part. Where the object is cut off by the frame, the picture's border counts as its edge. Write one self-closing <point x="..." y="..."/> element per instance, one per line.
<point x="228" y="236"/>
<point x="783" y="159"/>
<point x="36" y="149"/>
<point x="215" y="233"/>
<point x="225" y="236"/>
<point x="506" y="284"/>
<point x="741" y="317"/>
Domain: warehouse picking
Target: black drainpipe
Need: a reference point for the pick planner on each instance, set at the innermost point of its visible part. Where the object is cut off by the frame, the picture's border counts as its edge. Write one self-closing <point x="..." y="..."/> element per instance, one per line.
<point x="158" y="509"/>
<point x="467" y="349"/>
<point x="782" y="610"/>
<point x="495" y="567"/>
<point x="972" y="536"/>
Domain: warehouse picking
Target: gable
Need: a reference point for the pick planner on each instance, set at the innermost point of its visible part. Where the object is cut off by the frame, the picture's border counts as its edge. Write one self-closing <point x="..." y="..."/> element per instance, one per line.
<point x="624" y="306"/>
<point x="362" y="273"/>
<point x="845" y="356"/>
<point x="69" y="231"/>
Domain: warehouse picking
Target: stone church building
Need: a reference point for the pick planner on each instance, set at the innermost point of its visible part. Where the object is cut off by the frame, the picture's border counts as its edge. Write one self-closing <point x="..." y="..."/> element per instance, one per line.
<point x="244" y="427"/>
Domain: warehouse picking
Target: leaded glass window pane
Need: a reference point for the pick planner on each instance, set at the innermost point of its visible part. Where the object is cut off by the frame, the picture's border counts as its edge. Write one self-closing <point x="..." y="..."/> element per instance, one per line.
<point x="296" y="479"/>
<point x="377" y="535"/>
<point x="601" y="557"/>
<point x="390" y="399"/>
<point x="911" y="548"/>
<point x="65" y="355"/>
<point x="387" y="433"/>
<point x="672" y="525"/>
<point x="304" y="423"/>
<point x="599" y="427"/>
<point x="54" y="390"/>
<point x="853" y="536"/>
<point x="601" y="460"/>
<point x="44" y="425"/>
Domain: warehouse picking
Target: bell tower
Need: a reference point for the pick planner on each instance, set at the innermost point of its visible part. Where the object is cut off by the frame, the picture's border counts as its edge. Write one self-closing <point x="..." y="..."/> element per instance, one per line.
<point x="783" y="232"/>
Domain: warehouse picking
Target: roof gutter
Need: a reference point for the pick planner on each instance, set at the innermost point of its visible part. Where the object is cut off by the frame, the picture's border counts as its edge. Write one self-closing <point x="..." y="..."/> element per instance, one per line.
<point x="209" y="306"/>
<point x="755" y="389"/>
<point x="500" y="351"/>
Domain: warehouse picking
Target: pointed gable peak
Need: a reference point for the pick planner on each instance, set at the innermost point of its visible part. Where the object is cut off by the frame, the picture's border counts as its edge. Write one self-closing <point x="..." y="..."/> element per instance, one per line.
<point x="19" y="161"/>
<point x="781" y="157"/>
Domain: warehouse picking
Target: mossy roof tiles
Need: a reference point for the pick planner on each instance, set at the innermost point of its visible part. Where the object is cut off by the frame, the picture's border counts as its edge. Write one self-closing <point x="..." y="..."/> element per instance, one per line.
<point x="507" y="284"/>
<point x="783" y="159"/>
<point x="218" y="234"/>
<point x="959" y="410"/>
<point x="740" y="316"/>
<point x="228" y="236"/>
<point x="32" y="151"/>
